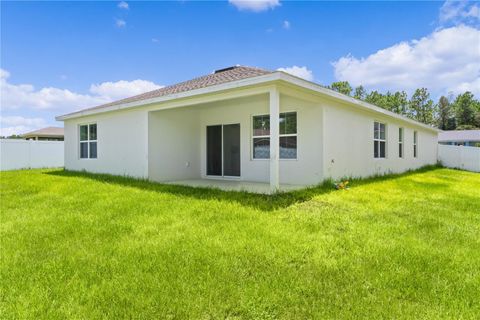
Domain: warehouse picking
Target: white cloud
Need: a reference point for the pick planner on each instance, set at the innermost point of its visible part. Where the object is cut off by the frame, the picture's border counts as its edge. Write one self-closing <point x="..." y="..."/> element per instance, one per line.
<point x="155" y="40"/>
<point x="301" y="72"/>
<point x="123" y="5"/>
<point x="446" y="60"/>
<point x="459" y="11"/>
<point x="25" y="96"/>
<point x="473" y="86"/>
<point x="120" y="23"/>
<point x="17" y="125"/>
<point x="121" y="89"/>
<point x="4" y="74"/>
<point x="22" y="99"/>
<point x="255" y="5"/>
<point x="15" y="96"/>
<point x="286" y="24"/>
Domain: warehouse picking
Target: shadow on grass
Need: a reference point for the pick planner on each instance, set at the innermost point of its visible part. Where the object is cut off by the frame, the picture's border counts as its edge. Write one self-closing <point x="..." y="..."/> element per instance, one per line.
<point x="259" y="201"/>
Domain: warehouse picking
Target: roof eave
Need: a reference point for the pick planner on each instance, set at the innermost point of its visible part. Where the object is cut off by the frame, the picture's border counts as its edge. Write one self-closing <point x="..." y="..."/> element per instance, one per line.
<point x="212" y="89"/>
<point x="344" y="98"/>
<point x="275" y="76"/>
<point x="42" y="135"/>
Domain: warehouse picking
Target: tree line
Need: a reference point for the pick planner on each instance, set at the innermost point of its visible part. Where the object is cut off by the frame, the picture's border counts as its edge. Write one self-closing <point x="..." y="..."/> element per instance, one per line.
<point x="461" y="112"/>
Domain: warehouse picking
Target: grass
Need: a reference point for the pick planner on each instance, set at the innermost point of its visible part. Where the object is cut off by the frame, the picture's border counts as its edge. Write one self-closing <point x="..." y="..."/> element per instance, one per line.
<point x="85" y="246"/>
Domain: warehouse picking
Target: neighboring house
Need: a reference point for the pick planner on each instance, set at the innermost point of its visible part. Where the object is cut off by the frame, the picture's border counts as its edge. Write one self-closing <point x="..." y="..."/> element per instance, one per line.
<point x="468" y="138"/>
<point x="49" y="133"/>
<point x="249" y="125"/>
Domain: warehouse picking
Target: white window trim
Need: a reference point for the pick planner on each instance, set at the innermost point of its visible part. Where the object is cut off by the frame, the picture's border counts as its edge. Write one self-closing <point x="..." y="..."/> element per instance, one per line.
<point x="252" y="158"/>
<point x="415" y="144"/>
<point x="86" y="141"/>
<point x="380" y="140"/>
<point x="401" y="142"/>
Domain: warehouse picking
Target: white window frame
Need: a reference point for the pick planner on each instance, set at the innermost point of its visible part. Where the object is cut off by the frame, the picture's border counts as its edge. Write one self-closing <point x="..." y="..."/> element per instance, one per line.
<point x="379" y="140"/>
<point x="415" y="144"/>
<point x="80" y="141"/>
<point x="268" y="136"/>
<point x="258" y="136"/>
<point x="401" y="142"/>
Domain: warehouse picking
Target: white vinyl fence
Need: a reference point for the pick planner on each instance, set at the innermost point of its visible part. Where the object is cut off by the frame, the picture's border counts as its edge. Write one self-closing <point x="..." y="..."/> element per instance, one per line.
<point x="25" y="154"/>
<point x="460" y="157"/>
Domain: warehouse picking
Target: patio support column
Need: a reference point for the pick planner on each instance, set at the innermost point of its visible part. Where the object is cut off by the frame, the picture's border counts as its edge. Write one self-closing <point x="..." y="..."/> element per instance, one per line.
<point x="274" y="139"/>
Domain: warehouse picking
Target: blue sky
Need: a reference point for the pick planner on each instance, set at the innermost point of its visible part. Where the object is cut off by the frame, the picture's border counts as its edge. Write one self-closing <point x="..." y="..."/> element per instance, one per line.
<point x="57" y="57"/>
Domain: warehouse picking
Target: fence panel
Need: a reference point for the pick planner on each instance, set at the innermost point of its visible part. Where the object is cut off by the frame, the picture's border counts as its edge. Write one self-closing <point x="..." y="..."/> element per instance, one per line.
<point x="25" y="154"/>
<point x="460" y="157"/>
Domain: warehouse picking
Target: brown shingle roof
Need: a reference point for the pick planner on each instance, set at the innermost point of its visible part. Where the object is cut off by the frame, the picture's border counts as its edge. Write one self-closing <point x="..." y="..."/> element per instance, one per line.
<point x="219" y="77"/>
<point x="45" y="132"/>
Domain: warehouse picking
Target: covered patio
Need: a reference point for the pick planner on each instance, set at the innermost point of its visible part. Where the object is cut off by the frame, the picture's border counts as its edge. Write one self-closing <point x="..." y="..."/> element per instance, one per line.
<point x="211" y="142"/>
<point x="189" y="144"/>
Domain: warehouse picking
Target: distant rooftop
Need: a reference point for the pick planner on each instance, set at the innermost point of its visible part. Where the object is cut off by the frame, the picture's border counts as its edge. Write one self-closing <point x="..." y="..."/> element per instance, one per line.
<point x="459" y="135"/>
<point x="45" y="132"/>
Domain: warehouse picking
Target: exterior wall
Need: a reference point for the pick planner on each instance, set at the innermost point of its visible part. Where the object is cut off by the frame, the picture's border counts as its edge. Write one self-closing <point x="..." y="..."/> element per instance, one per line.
<point x="24" y="154"/>
<point x="174" y="144"/>
<point x="45" y="138"/>
<point x="122" y="139"/>
<point x="349" y="143"/>
<point x="333" y="139"/>
<point x="461" y="143"/>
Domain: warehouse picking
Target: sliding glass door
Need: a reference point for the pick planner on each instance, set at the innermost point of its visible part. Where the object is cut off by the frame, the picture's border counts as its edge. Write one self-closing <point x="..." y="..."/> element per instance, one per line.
<point x="223" y="150"/>
<point x="231" y="150"/>
<point x="214" y="150"/>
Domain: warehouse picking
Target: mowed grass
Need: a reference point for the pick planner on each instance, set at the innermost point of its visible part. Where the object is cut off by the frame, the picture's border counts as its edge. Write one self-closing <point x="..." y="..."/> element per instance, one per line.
<point x="83" y="246"/>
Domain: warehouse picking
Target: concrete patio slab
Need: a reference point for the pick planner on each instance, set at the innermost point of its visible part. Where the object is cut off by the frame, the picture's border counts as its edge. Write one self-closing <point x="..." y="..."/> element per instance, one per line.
<point x="235" y="185"/>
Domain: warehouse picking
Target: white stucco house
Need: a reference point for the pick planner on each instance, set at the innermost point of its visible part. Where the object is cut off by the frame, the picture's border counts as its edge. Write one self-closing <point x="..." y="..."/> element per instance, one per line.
<point x="241" y="126"/>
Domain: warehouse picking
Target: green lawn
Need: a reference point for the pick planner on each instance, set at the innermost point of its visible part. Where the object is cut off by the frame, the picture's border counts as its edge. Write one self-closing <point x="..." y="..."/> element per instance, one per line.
<point x="84" y="246"/>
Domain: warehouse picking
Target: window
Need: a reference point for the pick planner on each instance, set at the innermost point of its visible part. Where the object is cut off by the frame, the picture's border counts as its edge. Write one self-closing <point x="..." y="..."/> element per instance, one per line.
<point x="400" y="142"/>
<point x="379" y="140"/>
<point x="261" y="137"/>
<point x="288" y="136"/>
<point x="88" y="141"/>
<point x="415" y="151"/>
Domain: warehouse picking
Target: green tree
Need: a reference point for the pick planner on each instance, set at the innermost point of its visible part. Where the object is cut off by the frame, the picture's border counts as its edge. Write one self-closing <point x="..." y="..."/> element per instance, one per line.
<point x="464" y="112"/>
<point x="397" y="102"/>
<point x="360" y="93"/>
<point x="477" y="119"/>
<point x="421" y="107"/>
<point x="465" y="107"/>
<point x="342" y="87"/>
<point x="466" y="127"/>
<point x="13" y="136"/>
<point x="376" y="98"/>
<point x="445" y="119"/>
